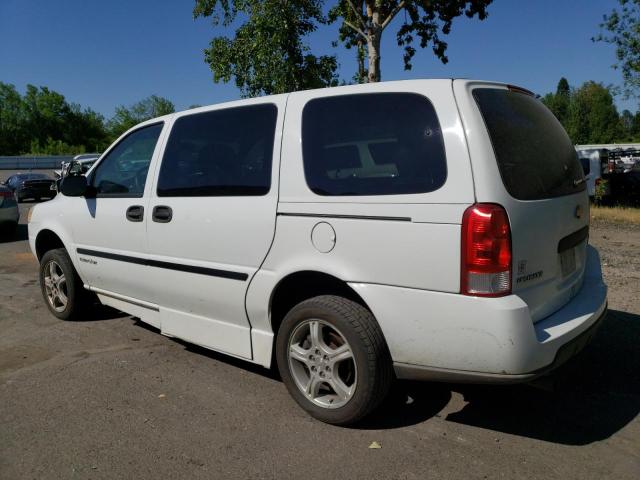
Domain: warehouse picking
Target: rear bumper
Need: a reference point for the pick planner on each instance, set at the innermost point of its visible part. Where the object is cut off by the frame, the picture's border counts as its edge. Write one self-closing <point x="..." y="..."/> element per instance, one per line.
<point x="451" y="337"/>
<point x="564" y="353"/>
<point x="35" y="192"/>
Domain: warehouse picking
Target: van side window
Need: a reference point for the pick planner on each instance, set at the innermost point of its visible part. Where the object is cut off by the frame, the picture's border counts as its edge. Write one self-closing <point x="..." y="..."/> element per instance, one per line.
<point x="220" y="153"/>
<point x="123" y="172"/>
<point x="372" y="144"/>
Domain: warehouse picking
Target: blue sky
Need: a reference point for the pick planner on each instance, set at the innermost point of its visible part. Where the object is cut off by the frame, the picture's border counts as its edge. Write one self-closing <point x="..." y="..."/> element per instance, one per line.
<point x="106" y="53"/>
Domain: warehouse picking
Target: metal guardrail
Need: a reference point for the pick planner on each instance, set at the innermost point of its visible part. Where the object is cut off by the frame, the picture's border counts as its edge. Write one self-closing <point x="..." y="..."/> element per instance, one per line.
<point x="38" y="162"/>
<point x="609" y="146"/>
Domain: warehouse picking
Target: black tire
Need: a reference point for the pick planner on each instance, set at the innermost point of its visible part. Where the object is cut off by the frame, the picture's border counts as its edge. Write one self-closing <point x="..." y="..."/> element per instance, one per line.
<point x="8" y="230"/>
<point x="370" y="355"/>
<point x="77" y="296"/>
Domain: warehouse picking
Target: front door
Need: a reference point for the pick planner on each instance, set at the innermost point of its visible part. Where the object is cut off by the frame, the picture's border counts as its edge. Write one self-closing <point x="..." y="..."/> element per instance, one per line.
<point x="211" y="220"/>
<point x="109" y="229"/>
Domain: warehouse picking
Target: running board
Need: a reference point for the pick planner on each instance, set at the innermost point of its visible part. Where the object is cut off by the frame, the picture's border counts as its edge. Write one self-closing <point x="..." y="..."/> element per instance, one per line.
<point x="123" y="298"/>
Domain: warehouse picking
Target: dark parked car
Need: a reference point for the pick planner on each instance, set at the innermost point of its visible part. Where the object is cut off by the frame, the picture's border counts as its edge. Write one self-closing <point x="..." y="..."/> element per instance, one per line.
<point x="9" y="214"/>
<point x="31" y="185"/>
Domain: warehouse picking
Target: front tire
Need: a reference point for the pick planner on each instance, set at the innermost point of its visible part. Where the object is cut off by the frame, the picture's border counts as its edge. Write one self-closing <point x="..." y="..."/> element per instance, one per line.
<point x="61" y="286"/>
<point x="333" y="359"/>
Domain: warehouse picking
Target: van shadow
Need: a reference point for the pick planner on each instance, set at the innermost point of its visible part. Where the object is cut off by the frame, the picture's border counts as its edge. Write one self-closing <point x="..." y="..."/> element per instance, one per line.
<point x="97" y="312"/>
<point x="589" y="399"/>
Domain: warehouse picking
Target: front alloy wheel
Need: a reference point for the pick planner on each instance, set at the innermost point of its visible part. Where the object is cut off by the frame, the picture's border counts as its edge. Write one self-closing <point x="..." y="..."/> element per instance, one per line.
<point x="55" y="286"/>
<point x="61" y="286"/>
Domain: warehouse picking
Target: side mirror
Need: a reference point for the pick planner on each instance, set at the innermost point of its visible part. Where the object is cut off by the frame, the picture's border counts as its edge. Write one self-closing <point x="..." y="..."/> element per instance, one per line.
<point x="73" y="186"/>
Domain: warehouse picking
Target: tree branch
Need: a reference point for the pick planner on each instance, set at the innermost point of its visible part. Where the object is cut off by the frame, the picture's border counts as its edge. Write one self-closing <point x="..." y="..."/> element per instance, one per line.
<point x="360" y="32"/>
<point x="392" y="14"/>
<point x="358" y="14"/>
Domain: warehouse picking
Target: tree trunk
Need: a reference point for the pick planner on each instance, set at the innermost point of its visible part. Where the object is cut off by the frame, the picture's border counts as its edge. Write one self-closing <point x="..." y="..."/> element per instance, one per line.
<point x="373" y="47"/>
<point x="362" y="73"/>
<point x="374" y="33"/>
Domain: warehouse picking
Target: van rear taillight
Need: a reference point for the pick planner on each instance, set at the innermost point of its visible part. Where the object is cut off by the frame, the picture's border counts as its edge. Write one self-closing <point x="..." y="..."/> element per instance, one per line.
<point x="6" y="194"/>
<point x="486" y="251"/>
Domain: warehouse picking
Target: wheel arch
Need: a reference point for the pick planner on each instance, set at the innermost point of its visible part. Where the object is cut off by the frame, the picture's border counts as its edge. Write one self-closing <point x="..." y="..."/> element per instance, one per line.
<point x="298" y="286"/>
<point x="46" y="240"/>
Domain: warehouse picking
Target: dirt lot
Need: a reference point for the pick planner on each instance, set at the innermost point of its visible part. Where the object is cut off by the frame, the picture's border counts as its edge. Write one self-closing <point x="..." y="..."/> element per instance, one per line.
<point x="111" y="398"/>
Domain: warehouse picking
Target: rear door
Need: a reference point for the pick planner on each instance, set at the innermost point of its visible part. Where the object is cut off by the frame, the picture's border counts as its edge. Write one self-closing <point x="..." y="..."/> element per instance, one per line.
<point x="523" y="159"/>
<point x="212" y="219"/>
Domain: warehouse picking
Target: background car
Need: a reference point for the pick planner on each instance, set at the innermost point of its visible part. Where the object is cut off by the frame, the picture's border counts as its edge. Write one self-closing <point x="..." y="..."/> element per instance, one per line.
<point x="31" y="185"/>
<point x="9" y="213"/>
<point x="86" y="160"/>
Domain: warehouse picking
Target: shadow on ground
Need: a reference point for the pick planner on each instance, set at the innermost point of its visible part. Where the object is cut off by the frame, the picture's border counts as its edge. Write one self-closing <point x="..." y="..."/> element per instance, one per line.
<point x="588" y="399"/>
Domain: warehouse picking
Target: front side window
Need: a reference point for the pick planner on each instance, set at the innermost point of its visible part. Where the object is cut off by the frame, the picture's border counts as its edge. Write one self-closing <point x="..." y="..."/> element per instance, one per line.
<point x="372" y="144"/>
<point x="123" y="172"/>
<point x="220" y="153"/>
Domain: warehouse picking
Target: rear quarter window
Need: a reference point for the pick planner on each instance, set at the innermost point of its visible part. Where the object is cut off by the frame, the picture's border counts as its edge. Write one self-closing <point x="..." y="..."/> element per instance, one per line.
<point x="535" y="156"/>
<point x="372" y="144"/>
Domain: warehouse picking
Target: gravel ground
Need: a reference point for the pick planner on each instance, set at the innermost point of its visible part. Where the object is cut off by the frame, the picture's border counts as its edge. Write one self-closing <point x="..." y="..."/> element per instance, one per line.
<point x="111" y="398"/>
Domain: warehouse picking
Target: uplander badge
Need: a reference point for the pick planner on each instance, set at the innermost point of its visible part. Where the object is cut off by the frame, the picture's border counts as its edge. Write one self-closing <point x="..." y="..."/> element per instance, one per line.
<point x="88" y="260"/>
<point x="530" y="276"/>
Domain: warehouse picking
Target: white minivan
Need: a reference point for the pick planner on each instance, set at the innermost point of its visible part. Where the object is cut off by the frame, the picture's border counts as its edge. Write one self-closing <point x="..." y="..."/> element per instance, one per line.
<point x="427" y="229"/>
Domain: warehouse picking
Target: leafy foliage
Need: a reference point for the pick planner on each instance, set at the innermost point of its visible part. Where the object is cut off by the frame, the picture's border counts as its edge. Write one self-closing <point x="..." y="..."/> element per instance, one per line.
<point x="42" y="122"/>
<point x="589" y="115"/>
<point x="425" y="22"/>
<point x="146" y="109"/>
<point x="622" y="29"/>
<point x="267" y="54"/>
<point x="35" y="121"/>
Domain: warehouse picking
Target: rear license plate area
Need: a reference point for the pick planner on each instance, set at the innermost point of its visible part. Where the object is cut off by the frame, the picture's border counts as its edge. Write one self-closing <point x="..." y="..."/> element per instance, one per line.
<point x="568" y="261"/>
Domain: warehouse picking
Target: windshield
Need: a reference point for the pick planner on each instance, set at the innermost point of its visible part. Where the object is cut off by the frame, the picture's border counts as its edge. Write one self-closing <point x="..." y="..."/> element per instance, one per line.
<point x="535" y="156"/>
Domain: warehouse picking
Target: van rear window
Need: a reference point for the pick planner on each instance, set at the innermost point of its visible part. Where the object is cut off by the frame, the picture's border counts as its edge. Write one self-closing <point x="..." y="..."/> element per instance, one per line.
<point x="372" y="144"/>
<point x="535" y="156"/>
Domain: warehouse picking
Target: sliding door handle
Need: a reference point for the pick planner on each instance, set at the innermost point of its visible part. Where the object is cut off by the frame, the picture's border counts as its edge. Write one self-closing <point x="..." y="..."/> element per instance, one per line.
<point x="135" y="213"/>
<point x="162" y="214"/>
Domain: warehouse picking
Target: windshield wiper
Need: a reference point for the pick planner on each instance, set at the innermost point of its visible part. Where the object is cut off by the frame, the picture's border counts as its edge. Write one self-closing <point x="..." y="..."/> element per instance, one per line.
<point x="579" y="181"/>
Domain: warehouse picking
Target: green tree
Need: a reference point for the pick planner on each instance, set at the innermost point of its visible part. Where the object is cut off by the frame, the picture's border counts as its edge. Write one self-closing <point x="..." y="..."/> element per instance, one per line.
<point x="559" y="102"/>
<point x="621" y="28"/>
<point x="635" y="128"/>
<point x="42" y="120"/>
<point x="146" y="109"/>
<point x="13" y="129"/>
<point x="425" y="21"/>
<point x="626" y="124"/>
<point x="593" y="117"/>
<point x="351" y="13"/>
<point x="267" y="53"/>
<point x="54" y="147"/>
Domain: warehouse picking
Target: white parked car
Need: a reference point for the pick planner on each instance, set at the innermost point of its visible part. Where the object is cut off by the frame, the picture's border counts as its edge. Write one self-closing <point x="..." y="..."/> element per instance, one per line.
<point x="85" y="161"/>
<point x="595" y="165"/>
<point x="427" y="229"/>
